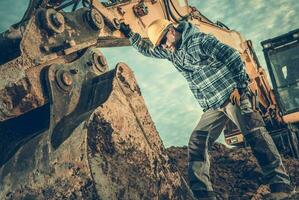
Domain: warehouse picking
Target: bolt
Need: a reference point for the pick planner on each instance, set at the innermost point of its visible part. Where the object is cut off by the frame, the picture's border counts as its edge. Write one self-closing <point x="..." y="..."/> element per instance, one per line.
<point x="57" y="19"/>
<point x="102" y="60"/>
<point x="116" y="23"/>
<point x="99" y="61"/>
<point x="67" y="79"/>
<point x="98" y="18"/>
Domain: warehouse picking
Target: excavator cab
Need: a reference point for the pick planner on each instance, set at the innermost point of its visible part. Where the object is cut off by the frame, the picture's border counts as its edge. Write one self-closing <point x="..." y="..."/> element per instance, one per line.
<point x="282" y="58"/>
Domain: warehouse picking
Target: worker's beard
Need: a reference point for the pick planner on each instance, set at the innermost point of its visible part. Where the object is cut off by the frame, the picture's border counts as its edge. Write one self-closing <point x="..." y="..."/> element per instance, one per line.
<point x="176" y="43"/>
<point x="172" y="49"/>
<point x="173" y="41"/>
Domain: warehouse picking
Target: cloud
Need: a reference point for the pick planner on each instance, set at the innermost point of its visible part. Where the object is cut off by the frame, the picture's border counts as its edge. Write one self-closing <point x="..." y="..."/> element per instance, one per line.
<point x="257" y="20"/>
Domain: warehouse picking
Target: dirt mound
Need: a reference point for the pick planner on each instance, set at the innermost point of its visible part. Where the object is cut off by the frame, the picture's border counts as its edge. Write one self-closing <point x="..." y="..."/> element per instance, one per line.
<point x="235" y="173"/>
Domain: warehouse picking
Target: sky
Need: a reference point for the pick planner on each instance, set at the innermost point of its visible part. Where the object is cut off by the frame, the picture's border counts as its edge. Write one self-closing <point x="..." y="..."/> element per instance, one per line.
<point x="171" y="104"/>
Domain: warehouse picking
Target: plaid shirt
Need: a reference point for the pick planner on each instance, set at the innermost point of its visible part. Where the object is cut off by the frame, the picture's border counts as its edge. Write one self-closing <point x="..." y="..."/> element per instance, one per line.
<point x="211" y="68"/>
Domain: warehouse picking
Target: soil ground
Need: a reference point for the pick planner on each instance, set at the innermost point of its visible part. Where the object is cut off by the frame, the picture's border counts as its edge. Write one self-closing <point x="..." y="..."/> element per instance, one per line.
<point x="235" y="173"/>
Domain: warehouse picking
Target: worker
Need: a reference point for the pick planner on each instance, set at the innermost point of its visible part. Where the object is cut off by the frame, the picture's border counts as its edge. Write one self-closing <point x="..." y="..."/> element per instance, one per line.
<point x="216" y="76"/>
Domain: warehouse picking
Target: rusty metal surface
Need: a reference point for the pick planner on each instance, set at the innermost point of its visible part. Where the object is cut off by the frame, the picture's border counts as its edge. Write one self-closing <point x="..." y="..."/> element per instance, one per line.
<point x="73" y="101"/>
<point x="124" y="148"/>
<point x="70" y="92"/>
<point x="291" y="118"/>
<point x="114" y="153"/>
<point x="19" y="91"/>
<point x="48" y="174"/>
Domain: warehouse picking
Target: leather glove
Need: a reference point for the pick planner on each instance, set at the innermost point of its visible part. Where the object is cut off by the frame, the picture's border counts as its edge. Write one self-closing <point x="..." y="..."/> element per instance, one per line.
<point x="126" y="30"/>
<point x="235" y="97"/>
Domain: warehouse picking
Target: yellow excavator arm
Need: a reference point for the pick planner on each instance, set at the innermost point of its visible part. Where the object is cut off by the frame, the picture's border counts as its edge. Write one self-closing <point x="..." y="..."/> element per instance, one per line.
<point x="55" y="31"/>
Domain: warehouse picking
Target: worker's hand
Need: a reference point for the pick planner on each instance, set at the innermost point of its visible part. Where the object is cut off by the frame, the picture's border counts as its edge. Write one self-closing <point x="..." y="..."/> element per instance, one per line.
<point x="235" y="97"/>
<point x="125" y="29"/>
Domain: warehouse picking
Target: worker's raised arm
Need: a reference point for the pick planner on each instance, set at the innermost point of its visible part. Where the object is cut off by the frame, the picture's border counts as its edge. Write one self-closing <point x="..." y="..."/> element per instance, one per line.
<point x="146" y="47"/>
<point x="212" y="47"/>
<point x="142" y="45"/>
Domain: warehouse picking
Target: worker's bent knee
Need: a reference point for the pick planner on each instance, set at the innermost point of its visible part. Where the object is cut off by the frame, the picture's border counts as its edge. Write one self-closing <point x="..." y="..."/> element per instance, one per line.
<point x="197" y="146"/>
<point x="198" y="137"/>
<point x="253" y="120"/>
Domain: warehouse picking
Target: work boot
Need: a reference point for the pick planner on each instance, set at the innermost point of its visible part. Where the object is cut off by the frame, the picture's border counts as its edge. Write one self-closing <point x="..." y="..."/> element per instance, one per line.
<point x="204" y="195"/>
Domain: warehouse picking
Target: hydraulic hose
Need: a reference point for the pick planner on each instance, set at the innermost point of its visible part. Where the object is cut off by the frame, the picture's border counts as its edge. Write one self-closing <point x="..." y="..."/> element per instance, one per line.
<point x="175" y="9"/>
<point x="169" y="12"/>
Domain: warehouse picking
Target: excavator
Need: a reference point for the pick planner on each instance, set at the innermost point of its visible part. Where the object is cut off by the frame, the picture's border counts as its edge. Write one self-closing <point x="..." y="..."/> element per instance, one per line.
<point x="52" y="68"/>
<point x="53" y="31"/>
<point x="281" y="56"/>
